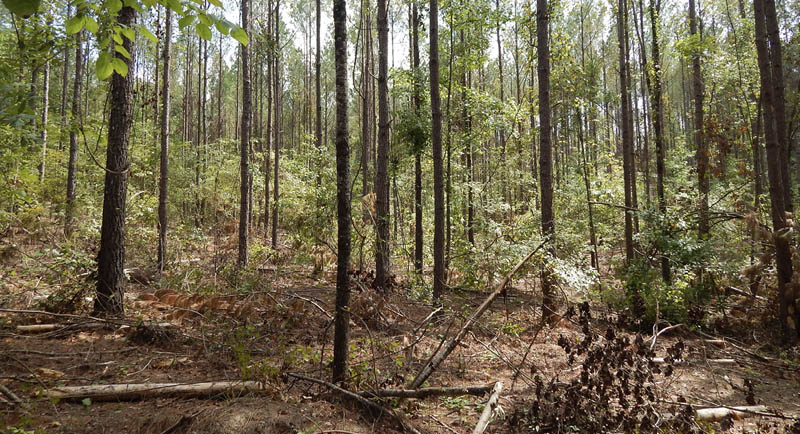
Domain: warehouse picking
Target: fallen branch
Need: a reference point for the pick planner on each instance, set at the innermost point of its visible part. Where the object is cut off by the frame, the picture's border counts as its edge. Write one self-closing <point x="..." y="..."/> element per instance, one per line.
<point x="38" y="328"/>
<point x="428" y="391"/>
<point x="109" y="392"/>
<point x="738" y="291"/>
<point x="665" y="329"/>
<point x="489" y="409"/>
<point x="445" y="350"/>
<point x="11" y="395"/>
<point x="361" y="400"/>
<point x="718" y="413"/>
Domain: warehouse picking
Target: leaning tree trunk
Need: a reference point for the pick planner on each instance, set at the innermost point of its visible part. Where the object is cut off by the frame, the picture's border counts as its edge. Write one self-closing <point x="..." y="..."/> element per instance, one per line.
<point x="111" y="259"/>
<point x="382" y="267"/>
<point x="342" y="321"/>
<point x="244" y="163"/>
<point x="164" y="158"/>
<point x="438" y="169"/>
<point x="75" y="119"/>
<point x="545" y="152"/>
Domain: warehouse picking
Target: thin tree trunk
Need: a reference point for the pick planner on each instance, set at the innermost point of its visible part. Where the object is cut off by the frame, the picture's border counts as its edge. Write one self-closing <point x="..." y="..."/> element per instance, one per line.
<point x="382" y="265"/>
<point x="45" y="112"/>
<point x="436" y="140"/>
<point x="244" y="163"/>
<point x="699" y="137"/>
<point x="627" y="133"/>
<point x="75" y="121"/>
<point x="164" y="158"/>
<point x="779" y="100"/>
<point x="545" y="152"/>
<point x="111" y="258"/>
<point x="418" y="228"/>
<point x="277" y="127"/>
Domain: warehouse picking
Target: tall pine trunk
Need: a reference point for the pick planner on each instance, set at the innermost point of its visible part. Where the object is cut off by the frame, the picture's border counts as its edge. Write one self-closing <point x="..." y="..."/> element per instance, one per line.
<point x="382" y="266"/>
<point x="436" y="140"/>
<point x="75" y="120"/>
<point x="699" y="137"/>
<point x="244" y="162"/>
<point x="164" y="158"/>
<point x="111" y="259"/>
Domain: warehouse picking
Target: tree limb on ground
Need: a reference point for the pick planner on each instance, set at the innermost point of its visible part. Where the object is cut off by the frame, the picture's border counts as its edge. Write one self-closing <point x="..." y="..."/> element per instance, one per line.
<point x="361" y="400"/>
<point x="428" y="391"/>
<point x="445" y="350"/>
<point x="489" y="409"/>
<point x="122" y="392"/>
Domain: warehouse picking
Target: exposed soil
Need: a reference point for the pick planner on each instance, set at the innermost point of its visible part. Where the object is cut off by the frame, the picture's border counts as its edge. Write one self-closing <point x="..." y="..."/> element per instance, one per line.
<point x="182" y="331"/>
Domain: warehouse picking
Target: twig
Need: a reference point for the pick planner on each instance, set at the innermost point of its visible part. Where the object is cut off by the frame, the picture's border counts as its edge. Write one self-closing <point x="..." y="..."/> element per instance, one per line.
<point x="665" y="329"/>
<point x="14" y="398"/>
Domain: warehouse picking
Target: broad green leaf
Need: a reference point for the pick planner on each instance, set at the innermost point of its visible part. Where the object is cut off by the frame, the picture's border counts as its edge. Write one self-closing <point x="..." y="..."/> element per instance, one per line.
<point x="240" y="35"/>
<point x="103" y="68"/>
<point x="216" y="3"/>
<point x="75" y="24"/>
<point x="128" y="33"/>
<point x="203" y="31"/>
<point x="222" y="26"/>
<point x="104" y="43"/>
<point x="147" y="34"/>
<point x="176" y="6"/>
<point x="186" y="21"/>
<point x="117" y="37"/>
<point x="120" y="67"/>
<point x="114" y="6"/>
<point x="91" y="25"/>
<point x="23" y="8"/>
<point x="204" y="19"/>
<point x="121" y="50"/>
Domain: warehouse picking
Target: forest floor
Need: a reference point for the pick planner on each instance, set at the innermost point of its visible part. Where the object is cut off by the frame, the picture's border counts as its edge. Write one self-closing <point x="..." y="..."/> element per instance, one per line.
<point x="182" y="330"/>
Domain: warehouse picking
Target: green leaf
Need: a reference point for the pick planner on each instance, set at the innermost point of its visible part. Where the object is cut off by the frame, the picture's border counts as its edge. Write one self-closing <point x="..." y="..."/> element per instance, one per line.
<point x="204" y="19"/>
<point x="86" y="402"/>
<point x="216" y="3"/>
<point x="23" y="8"/>
<point x="114" y="6"/>
<point x="240" y="35"/>
<point x="186" y="21"/>
<point x="116" y="37"/>
<point x="176" y="6"/>
<point x="91" y="25"/>
<point x="222" y="26"/>
<point x="120" y="67"/>
<point x="121" y="50"/>
<point x="128" y="33"/>
<point x="147" y="34"/>
<point x="104" y="43"/>
<point x="203" y="31"/>
<point x="103" y="68"/>
<point x="75" y="24"/>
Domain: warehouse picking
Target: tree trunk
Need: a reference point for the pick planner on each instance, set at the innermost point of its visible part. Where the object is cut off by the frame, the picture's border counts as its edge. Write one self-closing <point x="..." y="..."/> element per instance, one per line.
<point x="699" y="137"/>
<point x="418" y="228"/>
<point x="342" y="321"/>
<point x="111" y="259"/>
<point x="545" y="152"/>
<point x="277" y="127"/>
<point x="45" y="112"/>
<point x="244" y="163"/>
<point x="318" y="89"/>
<point x="657" y="114"/>
<point x="787" y="307"/>
<point x="627" y="131"/>
<point x="75" y="121"/>
<point x="779" y="100"/>
<point x="164" y="159"/>
<point x="436" y="140"/>
<point x="382" y="266"/>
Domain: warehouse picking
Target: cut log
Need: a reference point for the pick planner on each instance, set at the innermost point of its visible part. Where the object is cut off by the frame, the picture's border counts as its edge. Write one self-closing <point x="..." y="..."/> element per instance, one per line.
<point x="38" y="328"/>
<point x="448" y="348"/>
<point x="428" y="391"/>
<point x="124" y="392"/>
<point x="489" y="409"/>
<point x="716" y="414"/>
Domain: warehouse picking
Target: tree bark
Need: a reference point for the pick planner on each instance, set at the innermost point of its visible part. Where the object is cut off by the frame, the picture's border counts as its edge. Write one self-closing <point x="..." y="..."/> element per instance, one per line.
<point x="627" y="130"/>
<point x="699" y="136"/>
<point x="382" y="265"/>
<point x="244" y="162"/>
<point x="163" y="190"/>
<point x="75" y="120"/>
<point x="45" y="112"/>
<point x="436" y="140"/>
<point x="545" y="152"/>
<point x="342" y="320"/>
<point x="111" y="259"/>
<point x="277" y="127"/>
<point x="418" y="229"/>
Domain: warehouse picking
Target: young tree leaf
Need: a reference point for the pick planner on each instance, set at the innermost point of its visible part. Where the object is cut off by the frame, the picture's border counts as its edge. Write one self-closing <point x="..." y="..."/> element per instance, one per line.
<point x="240" y="35"/>
<point x="23" y="8"/>
<point x="128" y="33"/>
<point x="203" y="31"/>
<point x="185" y="21"/>
<point x="216" y="3"/>
<point x="75" y="24"/>
<point x="113" y="6"/>
<point x="103" y="68"/>
<point x="222" y="26"/>
<point x="147" y="34"/>
<point x="204" y="19"/>
<point x="121" y="50"/>
<point x="91" y="25"/>
<point x="119" y="66"/>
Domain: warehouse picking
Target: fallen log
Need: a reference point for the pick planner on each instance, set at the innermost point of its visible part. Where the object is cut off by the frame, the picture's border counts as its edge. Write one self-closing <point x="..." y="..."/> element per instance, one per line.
<point x="716" y="414"/>
<point x="448" y="348"/>
<point x="124" y="392"/>
<point x="428" y="391"/>
<point x="489" y="409"/>
<point x="38" y="328"/>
